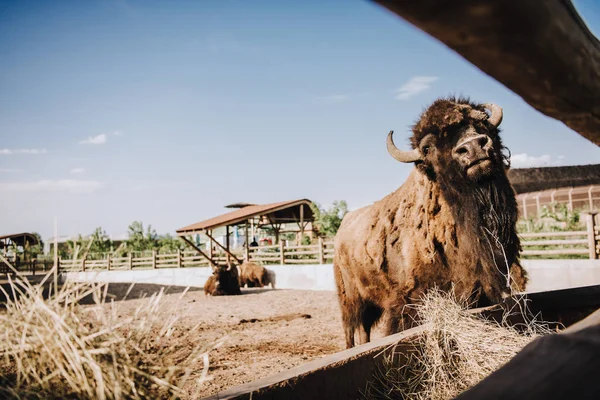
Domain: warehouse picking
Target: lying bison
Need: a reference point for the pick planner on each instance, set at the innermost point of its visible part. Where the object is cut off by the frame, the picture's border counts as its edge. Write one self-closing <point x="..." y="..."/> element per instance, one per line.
<point x="223" y="281"/>
<point x="452" y="223"/>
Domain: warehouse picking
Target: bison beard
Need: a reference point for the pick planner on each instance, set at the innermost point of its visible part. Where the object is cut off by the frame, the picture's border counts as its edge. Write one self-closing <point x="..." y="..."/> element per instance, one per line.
<point x="450" y="225"/>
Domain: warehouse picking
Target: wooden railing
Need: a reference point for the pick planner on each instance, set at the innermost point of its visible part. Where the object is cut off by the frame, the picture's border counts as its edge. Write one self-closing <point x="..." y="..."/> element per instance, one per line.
<point x="320" y="253"/>
<point x="567" y="244"/>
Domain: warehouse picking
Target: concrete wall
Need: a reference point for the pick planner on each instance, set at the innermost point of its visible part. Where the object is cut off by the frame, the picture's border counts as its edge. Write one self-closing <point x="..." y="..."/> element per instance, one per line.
<point x="561" y="274"/>
<point x="544" y="275"/>
<point x="303" y="277"/>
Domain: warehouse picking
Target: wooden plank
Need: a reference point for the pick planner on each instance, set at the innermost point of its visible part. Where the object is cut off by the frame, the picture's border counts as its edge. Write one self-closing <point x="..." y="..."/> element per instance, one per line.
<point x="299" y="253"/>
<point x="552" y="234"/>
<point x="540" y="49"/>
<point x="554" y="242"/>
<point x="553" y="252"/>
<point x="307" y="246"/>
<point x="294" y="261"/>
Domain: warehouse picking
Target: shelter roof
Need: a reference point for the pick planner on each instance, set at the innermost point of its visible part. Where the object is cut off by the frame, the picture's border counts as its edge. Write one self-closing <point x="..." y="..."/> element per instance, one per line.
<point x="525" y="180"/>
<point x="277" y="213"/>
<point x="20" y="238"/>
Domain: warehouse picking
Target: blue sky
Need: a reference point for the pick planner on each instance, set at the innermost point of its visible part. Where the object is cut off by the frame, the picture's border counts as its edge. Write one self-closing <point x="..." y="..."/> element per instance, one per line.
<point x="165" y="111"/>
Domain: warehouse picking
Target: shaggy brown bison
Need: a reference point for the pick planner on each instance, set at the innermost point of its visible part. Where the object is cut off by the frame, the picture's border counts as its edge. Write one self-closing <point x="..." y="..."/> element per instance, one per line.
<point x="223" y="281"/>
<point x="451" y="224"/>
<point x="252" y="274"/>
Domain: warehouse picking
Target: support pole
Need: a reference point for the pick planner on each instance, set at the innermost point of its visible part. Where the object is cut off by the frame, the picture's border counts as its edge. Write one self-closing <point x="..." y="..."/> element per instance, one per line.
<point x="247" y="251"/>
<point x="301" y="224"/>
<point x="591" y="231"/>
<point x="227" y="245"/>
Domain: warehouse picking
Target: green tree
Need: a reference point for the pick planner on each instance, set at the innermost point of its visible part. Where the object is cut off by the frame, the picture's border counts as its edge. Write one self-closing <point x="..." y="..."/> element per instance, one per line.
<point x="170" y="244"/>
<point x="562" y="217"/>
<point x="327" y="222"/>
<point x="101" y="243"/>
<point x="35" y="250"/>
<point x="140" y="239"/>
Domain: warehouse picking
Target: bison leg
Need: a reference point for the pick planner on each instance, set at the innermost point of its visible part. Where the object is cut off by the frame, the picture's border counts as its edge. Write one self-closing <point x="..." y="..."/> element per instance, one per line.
<point x="346" y="307"/>
<point x="370" y="314"/>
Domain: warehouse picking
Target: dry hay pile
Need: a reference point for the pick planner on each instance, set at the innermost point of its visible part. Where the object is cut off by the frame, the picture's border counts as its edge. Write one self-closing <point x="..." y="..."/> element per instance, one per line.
<point x="56" y="348"/>
<point x="456" y="351"/>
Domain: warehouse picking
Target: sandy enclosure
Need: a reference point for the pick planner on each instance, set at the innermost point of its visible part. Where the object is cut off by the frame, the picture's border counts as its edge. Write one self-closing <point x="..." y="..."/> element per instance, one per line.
<point x="265" y="331"/>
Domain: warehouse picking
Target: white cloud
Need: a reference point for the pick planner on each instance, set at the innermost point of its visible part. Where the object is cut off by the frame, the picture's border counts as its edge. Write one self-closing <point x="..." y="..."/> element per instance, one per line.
<point x="524" y="160"/>
<point x="10" y="170"/>
<point x="48" y="185"/>
<point x="8" y="152"/>
<point x="414" y="86"/>
<point x="76" y="171"/>
<point x="98" y="139"/>
<point x="117" y="133"/>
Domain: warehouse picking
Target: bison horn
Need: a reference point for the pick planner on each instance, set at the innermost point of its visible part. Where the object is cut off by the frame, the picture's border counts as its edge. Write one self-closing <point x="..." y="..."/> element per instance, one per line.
<point x="496" y="117"/>
<point x="479" y="115"/>
<point x="402" y="156"/>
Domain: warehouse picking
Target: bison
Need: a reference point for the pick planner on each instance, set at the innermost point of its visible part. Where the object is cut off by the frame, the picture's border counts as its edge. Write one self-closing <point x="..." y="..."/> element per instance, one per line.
<point x="252" y="274"/>
<point x="223" y="281"/>
<point x="451" y="225"/>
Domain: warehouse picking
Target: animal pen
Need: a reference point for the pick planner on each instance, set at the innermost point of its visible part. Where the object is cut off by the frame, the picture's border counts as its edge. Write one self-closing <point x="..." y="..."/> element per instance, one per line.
<point x="558" y="80"/>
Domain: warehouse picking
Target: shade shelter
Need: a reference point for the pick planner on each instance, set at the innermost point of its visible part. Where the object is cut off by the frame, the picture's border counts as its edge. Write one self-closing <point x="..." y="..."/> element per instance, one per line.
<point x="273" y="215"/>
<point x="23" y="239"/>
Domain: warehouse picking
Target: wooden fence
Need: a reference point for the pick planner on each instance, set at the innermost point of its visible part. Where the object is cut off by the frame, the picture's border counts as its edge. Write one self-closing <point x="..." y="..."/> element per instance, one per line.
<point x="567" y="244"/>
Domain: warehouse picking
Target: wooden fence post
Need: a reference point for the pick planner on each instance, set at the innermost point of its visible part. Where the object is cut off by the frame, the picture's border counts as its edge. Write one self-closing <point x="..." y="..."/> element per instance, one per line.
<point x="321" y="251"/>
<point x="282" y="252"/>
<point x="130" y="261"/>
<point x="591" y="230"/>
<point x="83" y="263"/>
<point x="153" y="259"/>
<point x="179" y="261"/>
<point x="108" y="261"/>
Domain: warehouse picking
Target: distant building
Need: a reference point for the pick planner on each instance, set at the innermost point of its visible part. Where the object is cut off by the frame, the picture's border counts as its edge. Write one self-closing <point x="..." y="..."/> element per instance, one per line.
<point x="576" y="186"/>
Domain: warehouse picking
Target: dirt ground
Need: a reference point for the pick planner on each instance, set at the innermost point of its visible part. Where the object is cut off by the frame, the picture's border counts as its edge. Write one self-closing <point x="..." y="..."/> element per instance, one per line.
<point x="265" y="331"/>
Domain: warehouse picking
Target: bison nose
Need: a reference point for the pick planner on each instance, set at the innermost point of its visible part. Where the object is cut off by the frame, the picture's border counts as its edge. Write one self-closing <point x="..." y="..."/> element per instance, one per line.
<point x="473" y="148"/>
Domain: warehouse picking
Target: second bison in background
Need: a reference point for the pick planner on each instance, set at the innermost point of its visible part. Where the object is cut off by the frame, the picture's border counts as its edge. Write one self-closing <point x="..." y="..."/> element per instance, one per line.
<point x="254" y="275"/>
<point x="451" y="224"/>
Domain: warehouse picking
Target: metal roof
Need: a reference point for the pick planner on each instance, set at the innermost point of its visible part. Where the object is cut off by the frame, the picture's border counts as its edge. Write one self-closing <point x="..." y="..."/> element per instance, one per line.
<point x="20" y="238"/>
<point x="526" y="180"/>
<point x="281" y="212"/>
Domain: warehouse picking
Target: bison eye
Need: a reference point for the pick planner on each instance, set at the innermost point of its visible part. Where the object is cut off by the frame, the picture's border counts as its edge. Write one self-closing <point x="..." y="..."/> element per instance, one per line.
<point x="425" y="150"/>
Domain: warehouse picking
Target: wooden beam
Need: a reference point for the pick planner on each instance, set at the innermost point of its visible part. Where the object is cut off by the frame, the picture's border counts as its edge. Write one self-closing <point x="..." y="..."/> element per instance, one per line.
<point x="540" y="49"/>
<point x="226" y="250"/>
<point x="301" y="224"/>
<point x="227" y="245"/>
<point x="210" y="260"/>
<point x="247" y="248"/>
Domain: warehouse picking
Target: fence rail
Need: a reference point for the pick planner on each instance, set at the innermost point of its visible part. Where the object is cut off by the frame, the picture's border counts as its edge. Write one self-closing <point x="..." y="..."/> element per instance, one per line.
<point x="575" y="244"/>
